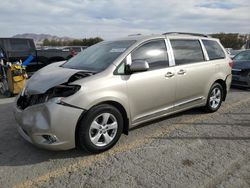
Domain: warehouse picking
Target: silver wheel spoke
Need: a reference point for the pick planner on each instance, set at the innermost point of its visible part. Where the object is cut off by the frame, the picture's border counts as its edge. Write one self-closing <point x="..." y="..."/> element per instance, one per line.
<point x="95" y="125"/>
<point x="105" y="117"/>
<point x="96" y="138"/>
<point x="217" y="94"/>
<point x="107" y="138"/>
<point x="217" y="101"/>
<point x="213" y="93"/>
<point x="112" y="126"/>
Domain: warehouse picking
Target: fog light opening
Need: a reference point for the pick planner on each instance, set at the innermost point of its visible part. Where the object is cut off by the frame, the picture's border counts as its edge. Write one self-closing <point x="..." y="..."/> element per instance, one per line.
<point x="50" y="138"/>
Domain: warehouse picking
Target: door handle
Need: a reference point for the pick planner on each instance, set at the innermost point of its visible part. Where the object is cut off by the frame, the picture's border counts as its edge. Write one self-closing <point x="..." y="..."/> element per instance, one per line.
<point x="169" y="74"/>
<point x="181" y="72"/>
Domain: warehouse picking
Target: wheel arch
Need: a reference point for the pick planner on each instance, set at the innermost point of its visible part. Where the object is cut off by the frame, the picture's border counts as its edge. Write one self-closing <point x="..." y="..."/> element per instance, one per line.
<point x="116" y="105"/>
<point x="224" y="86"/>
<point x="123" y="112"/>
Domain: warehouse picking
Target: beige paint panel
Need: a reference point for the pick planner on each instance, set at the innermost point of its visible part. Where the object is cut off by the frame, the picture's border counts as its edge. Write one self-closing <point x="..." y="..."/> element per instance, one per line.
<point x="150" y="93"/>
<point x="194" y="83"/>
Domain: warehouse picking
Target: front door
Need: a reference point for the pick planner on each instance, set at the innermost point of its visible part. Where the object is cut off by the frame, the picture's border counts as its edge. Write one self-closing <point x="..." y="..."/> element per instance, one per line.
<point x="151" y="93"/>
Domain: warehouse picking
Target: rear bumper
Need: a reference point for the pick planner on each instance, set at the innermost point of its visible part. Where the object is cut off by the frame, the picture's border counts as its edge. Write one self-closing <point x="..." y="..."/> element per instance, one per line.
<point x="242" y="81"/>
<point x="48" y="119"/>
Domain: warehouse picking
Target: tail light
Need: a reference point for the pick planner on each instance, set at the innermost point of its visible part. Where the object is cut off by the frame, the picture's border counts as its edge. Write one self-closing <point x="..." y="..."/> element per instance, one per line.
<point x="231" y="63"/>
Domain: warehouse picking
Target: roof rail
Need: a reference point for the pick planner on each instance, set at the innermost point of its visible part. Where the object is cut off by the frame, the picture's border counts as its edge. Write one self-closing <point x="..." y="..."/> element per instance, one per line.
<point x="183" y="33"/>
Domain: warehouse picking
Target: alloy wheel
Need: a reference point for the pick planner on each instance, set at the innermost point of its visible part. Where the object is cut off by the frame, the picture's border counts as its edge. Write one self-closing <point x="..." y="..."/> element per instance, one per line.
<point x="215" y="98"/>
<point x="103" y="129"/>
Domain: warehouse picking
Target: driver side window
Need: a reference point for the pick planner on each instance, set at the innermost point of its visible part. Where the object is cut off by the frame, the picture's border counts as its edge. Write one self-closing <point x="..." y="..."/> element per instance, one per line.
<point x="154" y="52"/>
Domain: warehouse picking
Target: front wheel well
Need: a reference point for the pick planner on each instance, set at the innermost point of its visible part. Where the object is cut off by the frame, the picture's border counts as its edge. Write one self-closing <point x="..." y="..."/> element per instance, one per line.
<point x="113" y="103"/>
<point x="123" y="112"/>
<point x="224" y="86"/>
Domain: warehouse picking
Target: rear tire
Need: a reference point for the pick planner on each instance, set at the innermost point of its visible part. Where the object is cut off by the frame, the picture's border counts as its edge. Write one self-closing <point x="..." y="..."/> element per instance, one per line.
<point x="214" y="98"/>
<point x="100" y="128"/>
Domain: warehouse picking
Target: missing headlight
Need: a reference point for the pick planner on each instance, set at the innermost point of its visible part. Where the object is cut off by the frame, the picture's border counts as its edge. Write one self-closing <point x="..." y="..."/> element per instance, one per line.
<point x="59" y="91"/>
<point x="63" y="91"/>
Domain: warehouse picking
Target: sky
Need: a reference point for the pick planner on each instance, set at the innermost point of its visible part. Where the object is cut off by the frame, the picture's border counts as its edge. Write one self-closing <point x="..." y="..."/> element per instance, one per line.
<point x="118" y="18"/>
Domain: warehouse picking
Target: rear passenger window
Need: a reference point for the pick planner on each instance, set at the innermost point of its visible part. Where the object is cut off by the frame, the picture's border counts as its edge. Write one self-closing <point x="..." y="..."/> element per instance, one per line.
<point x="154" y="52"/>
<point x="187" y="51"/>
<point x="214" y="50"/>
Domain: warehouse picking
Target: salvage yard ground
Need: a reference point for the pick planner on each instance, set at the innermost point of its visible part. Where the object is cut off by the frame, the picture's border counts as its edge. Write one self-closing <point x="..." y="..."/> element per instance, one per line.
<point x="190" y="149"/>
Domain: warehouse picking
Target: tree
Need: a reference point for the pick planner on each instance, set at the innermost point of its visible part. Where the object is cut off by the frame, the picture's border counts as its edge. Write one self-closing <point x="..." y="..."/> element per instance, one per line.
<point x="75" y="42"/>
<point x="46" y="42"/>
<point x="230" y="40"/>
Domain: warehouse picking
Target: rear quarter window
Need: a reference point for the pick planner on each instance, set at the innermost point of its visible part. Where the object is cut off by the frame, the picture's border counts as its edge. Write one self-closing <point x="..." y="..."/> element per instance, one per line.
<point x="214" y="50"/>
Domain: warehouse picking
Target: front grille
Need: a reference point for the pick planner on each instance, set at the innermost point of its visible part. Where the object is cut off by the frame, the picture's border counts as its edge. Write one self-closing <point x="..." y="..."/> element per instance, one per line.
<point x="26" y="101"/>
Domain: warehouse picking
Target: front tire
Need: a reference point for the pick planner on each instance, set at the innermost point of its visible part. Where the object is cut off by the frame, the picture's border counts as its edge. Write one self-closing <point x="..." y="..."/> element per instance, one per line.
<point x="100" y="128"/>
<point x="214" y="98"/>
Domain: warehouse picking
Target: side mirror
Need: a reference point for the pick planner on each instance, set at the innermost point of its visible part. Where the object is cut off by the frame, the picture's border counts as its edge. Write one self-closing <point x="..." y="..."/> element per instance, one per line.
<point x="138" y="66"/>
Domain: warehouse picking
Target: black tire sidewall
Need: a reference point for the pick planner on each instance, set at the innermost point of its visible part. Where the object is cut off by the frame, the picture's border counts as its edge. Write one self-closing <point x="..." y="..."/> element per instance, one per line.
<point x="208" y="106"/>
<point x="84" y="126"/>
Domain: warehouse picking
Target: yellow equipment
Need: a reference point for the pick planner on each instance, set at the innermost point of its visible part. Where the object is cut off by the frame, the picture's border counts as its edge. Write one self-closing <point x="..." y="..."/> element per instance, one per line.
<point x="16" y="77"/>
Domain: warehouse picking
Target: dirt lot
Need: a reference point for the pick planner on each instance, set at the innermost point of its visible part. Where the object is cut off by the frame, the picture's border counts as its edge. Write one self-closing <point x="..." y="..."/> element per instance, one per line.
<point x="190" y="149"/>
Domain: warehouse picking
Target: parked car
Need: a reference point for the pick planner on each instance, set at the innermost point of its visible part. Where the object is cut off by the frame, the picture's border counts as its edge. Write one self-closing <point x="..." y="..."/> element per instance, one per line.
<point x="74" y="50"/>
<point x="51" y="55"/>
<point x="77" y="49"/>
<point x="112" y="86"/>
<point x="241" y="69"/>
<point x="19" y="49"/>
<point x="233" y="53"/>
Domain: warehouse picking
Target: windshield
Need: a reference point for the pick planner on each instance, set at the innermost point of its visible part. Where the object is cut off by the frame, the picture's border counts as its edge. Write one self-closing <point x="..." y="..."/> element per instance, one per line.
<point x="98" y="57"/>
<point x="243" y="56"/>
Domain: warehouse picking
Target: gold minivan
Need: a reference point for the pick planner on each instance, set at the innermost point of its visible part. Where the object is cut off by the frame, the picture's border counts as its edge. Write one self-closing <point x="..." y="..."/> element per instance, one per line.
<point x="91" y="99"/>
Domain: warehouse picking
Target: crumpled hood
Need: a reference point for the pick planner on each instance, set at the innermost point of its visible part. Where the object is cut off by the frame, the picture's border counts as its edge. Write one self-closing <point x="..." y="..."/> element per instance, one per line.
<point x="48" y="77"/>
<point x="241" y="65"/>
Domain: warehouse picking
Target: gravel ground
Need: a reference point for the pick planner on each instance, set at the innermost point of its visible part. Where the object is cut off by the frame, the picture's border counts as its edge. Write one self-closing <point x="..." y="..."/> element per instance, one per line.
<point x="190" y="149"/>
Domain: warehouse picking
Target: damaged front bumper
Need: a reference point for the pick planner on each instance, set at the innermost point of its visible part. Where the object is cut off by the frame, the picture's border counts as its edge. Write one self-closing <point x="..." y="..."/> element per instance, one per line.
<point x="48" y="125"/>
